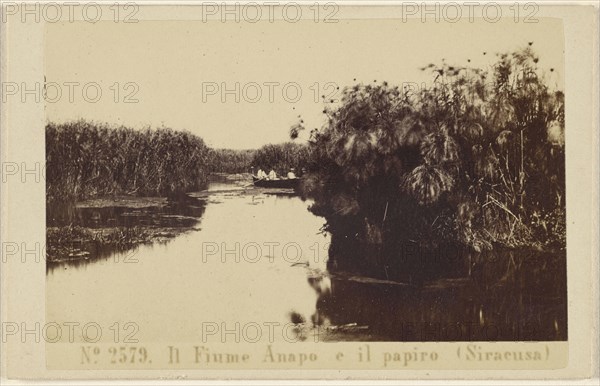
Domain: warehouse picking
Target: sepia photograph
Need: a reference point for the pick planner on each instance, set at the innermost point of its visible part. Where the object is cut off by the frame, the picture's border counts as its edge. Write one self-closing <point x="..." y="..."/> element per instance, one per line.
<point x="301" y="186"/>
<point x="415" y="199"/>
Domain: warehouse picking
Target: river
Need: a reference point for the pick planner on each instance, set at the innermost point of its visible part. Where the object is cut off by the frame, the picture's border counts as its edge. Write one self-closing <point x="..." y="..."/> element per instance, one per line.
<point x="255" y="262"/>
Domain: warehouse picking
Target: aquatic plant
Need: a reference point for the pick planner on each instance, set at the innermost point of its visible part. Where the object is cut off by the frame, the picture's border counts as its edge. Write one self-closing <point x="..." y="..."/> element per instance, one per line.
<point x="476" y="159"/>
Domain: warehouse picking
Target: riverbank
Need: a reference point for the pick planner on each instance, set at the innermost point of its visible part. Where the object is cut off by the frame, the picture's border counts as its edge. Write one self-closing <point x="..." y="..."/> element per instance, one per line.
<point x="97" y="228"/>
<point x="74" y="243"/>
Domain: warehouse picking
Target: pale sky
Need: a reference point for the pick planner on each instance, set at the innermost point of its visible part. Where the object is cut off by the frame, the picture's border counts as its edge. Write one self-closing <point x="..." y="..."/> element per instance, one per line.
<point x="172" y="62"/>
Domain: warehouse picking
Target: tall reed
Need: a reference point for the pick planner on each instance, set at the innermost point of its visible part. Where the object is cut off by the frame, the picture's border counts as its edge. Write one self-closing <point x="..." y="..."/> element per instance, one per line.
<point x="86" y="159"/>
<point x="230" y="160"/>
<point x="281" y="157"/>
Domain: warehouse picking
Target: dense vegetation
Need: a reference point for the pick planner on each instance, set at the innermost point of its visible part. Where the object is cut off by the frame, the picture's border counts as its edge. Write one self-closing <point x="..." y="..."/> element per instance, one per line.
<point x="230" y="161"/>
<point x="281" y="157"/>
<point x="85" y="159"/>
<point x="475" y="160"/>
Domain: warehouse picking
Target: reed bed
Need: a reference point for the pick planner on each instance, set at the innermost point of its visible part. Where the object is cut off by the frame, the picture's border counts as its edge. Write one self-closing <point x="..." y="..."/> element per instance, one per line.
<point x="87" y="159"/>
<point x="281" y="157"/>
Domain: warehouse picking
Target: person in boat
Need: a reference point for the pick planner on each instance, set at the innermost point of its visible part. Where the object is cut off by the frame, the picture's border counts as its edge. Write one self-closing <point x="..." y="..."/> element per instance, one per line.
<point x="272" y="175"/>
<point x="261" y="174"/>
<point x="291" y="174"/>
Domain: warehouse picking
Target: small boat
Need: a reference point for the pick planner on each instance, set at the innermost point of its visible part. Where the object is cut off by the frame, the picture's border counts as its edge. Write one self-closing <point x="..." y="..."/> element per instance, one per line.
<point x="280" y="183"/>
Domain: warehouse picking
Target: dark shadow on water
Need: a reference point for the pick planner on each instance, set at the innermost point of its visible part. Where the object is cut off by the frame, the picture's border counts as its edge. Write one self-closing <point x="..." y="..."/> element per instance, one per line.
<point x="513" y="296"/>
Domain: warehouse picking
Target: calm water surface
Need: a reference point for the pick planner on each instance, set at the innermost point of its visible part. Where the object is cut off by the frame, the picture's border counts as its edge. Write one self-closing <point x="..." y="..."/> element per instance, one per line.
<point x="259" y="259"/>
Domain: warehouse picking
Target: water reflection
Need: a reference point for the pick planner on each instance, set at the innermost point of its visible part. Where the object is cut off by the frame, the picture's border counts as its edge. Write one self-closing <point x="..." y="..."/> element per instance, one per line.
<point x="510" y="295"/>
<point x="247" y="264"/>
<point x="453" y="310"/>
<point x="96" y="231"/>
<point x="174" y="213"/>
<point x="260" y="259"/>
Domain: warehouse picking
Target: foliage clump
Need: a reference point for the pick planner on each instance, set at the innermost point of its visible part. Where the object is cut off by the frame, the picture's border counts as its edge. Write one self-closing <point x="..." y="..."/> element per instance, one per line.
<point x="477" y="159"/>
